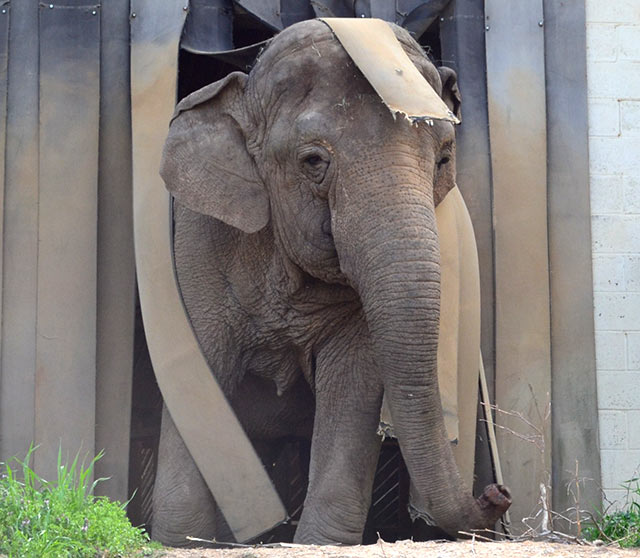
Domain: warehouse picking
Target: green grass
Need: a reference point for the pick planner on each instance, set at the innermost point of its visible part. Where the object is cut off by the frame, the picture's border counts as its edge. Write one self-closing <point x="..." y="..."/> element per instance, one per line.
<point x="60" y="519"/>
<point x="622" y="526"/>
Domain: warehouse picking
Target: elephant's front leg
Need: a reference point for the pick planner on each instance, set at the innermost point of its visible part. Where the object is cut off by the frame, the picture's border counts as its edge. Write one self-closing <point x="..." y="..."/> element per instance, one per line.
<point x="345" y="444"/>
<point x="182" y="503"/>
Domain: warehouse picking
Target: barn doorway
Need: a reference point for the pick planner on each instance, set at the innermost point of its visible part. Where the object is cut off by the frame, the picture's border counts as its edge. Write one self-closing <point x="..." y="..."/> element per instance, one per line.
<point x="287" y="459"/>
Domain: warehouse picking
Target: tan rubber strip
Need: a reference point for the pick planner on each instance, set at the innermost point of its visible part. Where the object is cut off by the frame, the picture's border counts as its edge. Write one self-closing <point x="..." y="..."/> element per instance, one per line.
<point x="373" y="46"/>
<point x="223" y="453"/>
<point x="448" y="337"/>
<point x="459" y="336"/>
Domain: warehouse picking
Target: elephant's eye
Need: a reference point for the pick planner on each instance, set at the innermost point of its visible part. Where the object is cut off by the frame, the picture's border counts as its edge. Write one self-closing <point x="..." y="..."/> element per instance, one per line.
<point x="314" y="162"/>
<point x="446" y="152"/>
<point x="443" y="161"/>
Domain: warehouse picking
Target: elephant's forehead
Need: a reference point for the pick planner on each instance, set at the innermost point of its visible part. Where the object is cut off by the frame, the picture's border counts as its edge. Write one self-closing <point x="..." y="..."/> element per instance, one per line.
<point x="301" y="61"/>
<point x="308" y="55"/>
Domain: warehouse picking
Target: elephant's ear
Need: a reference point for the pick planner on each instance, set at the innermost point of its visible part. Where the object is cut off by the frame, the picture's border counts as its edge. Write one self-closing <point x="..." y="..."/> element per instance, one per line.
<point x="206" y="164"/>
<point x="450" y="92"/>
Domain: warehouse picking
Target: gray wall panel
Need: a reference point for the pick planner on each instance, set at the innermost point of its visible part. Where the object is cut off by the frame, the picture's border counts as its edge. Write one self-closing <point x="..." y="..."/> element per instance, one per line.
<point x="20" y="235"/>
<point x="575" y="411"/>
<point x="116" y="267"/>
<point x="66" y="316"/>
<point x="516" y="100"/>
<point x="5" y="15"/>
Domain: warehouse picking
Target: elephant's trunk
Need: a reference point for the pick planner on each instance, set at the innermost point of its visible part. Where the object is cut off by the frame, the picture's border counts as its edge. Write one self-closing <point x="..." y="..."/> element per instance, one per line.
<point x="389" y="251"/>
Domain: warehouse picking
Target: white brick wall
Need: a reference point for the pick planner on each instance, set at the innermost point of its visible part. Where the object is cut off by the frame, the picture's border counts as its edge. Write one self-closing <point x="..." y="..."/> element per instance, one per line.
<point x="613" y="73"/>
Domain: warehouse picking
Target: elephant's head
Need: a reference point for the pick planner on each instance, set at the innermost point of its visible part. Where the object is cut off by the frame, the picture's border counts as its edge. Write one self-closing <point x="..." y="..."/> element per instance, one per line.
<point x="304" y="143"/>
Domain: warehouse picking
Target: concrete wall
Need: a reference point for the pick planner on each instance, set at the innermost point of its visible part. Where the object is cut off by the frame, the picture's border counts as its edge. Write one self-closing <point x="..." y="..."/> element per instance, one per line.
<point x="613" y="53"/>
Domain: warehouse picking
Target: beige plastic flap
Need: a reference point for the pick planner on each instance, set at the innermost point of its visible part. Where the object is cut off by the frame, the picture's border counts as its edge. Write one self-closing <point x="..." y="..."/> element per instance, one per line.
<point x="373" y="47"/>
<point x="448" y="337"/>
<point x="218" y="444"/>
<point x="458" y="361"/>
<point x="459" y="335"/>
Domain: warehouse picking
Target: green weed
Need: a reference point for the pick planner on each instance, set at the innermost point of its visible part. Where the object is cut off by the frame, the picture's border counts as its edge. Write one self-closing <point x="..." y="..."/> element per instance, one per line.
<point x="62" y="518"/>
<point x="622" y="526"/>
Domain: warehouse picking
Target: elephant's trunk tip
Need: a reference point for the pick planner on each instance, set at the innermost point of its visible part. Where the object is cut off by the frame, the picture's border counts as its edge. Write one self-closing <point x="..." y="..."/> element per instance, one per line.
<point x="494" y="502"/>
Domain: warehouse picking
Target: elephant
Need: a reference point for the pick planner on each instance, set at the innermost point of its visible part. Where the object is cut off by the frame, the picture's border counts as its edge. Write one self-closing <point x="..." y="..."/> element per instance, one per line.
<point x="307" y="256"/>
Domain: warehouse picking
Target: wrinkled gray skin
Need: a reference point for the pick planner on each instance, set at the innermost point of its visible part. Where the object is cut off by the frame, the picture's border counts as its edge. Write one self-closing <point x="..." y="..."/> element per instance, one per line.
<point x="307" y="255"/>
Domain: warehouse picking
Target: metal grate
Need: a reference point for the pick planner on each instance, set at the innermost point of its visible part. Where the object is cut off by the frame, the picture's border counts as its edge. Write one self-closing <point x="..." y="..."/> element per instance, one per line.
<point x="386" y="488"/>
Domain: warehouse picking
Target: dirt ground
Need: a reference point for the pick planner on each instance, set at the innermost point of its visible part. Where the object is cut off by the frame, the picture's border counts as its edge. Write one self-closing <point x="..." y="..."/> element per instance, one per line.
<point x="408" y="549"/>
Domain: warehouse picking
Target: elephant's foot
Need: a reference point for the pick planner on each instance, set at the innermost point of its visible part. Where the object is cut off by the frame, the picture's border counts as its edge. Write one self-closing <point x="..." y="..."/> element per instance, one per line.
<point x="174" y="523"/>
<point x="330" y="524"/>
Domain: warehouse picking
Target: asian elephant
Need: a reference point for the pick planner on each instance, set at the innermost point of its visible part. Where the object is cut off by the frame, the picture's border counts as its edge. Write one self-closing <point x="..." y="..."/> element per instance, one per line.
<point x="307" y="255"/>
